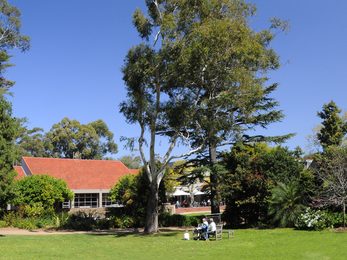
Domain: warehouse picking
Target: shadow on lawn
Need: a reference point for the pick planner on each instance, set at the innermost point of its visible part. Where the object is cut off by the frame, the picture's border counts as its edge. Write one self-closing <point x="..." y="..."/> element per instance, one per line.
<point x="134" y="233"/>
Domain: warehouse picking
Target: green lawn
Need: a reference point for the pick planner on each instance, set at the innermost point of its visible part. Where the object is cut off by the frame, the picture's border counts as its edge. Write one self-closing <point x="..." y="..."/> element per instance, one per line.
<point x="246" y="244"/>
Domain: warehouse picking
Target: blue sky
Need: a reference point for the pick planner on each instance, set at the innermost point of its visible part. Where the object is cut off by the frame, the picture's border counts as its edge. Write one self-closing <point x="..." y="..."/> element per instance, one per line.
<point x="73" y="68"/>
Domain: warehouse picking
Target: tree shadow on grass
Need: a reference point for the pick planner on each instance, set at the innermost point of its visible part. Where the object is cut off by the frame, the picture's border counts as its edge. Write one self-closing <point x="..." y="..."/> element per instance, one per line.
<point x="133" y="233"/>
<point x="167" y="234"/>
<point x="142" y="234"/>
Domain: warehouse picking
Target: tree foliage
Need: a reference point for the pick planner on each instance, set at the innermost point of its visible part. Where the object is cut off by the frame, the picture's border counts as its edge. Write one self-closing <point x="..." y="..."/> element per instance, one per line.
<point x="223" y="59"/>
<point x="204" y="85"/>
<point x="10" y="38"/>
<point x="331" y="170"/>
<point x="245" y="188"/>
<point x="31" y="142"/>
<point x="334" y="128"/>
<point x="9" y="130"/>
<point x="286" y="203"/>
<point x="150" y="104"/>
<point x="131" y="161"/>
<point x="132" y="191"/>
<point x="70" y="139"/>
<point x="222" y="64"/>
<point x="42" y="190"/>
<point x="254" y="173"/>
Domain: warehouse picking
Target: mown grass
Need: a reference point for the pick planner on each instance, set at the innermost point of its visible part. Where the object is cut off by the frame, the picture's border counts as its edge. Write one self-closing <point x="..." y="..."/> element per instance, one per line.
<point x="246" y="244"/>
<point x="197" y="214"/>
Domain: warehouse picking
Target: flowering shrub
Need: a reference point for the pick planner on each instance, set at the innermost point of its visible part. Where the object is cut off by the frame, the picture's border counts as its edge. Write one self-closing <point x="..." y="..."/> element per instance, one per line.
<point x="312" y="220"/>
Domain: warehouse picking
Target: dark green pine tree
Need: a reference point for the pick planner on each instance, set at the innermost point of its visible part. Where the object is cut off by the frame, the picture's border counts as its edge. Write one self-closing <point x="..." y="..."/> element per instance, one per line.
<point x="9" y="130"/>
<point x="10" y="38"/>
<point x="334" y="129"/>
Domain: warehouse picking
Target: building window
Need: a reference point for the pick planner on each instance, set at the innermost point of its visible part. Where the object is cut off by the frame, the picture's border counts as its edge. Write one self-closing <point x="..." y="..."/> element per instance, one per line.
<point x="106" y="201"/>
<point x="86" y="200"/>
<point x="66" y="205"/>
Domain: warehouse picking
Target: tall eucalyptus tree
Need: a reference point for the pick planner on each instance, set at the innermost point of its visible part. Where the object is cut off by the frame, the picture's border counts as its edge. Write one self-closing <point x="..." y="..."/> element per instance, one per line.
<point x="199" y="76"/>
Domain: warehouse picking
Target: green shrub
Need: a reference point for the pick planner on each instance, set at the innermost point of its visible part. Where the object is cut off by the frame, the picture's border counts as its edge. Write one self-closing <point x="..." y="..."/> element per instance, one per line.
<point x="48" y="221"/>
<point x="124" y="222"/>
<point x="43" y="191"/>
<point x="61" y="219"/>
<point x="34" y="210"/>
<point x="104" y="223"/>
<point x="81" y="221"/>
<point x="334" y="219"/>
<point x="167" y="220"/>
<point x="16" y="219"/>
<point x="26" y="223"/>
<point x="88" y="221"/>
<point x="3" y="224"/>
<point x="10" y="218"/>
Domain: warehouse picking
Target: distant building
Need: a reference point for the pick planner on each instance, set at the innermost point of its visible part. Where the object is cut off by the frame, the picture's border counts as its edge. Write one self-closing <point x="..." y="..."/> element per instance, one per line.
<point x="90" y="180"/>
<point x="308" y="163"/>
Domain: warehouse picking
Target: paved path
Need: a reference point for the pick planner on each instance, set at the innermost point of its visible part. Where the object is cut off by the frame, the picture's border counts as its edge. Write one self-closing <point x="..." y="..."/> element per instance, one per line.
<point x="17" y="231"/>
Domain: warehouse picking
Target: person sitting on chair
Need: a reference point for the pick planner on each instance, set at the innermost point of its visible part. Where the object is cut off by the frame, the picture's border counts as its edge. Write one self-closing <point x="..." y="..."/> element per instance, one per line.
<point x="201" y="230"/>
<point x="204" y="227"/>
<point x="211" y="228"/>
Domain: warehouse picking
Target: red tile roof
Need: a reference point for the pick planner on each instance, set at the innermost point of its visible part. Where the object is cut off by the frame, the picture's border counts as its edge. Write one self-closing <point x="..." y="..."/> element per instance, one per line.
<point x="20" y="172"/>
<point x="80" y="174"/>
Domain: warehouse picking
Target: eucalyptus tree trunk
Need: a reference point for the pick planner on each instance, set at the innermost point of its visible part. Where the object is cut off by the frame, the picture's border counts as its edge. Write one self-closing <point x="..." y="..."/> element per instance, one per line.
<point x="152" y="213"/>
<point x="214" y="180"/>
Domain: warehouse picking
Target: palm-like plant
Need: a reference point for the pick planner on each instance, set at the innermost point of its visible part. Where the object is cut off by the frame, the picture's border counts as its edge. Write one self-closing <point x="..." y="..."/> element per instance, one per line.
<point x="286" y="203"/>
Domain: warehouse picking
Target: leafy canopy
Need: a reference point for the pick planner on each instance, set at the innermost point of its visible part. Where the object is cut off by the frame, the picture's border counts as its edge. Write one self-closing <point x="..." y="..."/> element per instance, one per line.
<point x="131" y="161"/>
<point x="132" y="191"/>
<point x="331" y="170"/>
<point x="203" y="82"/>
<point x="71" y="139"/>
<point x="9" y="130"/>
<point x="334" y="128"/>
<point x="254" y="174"/>
<point x="44" y="190"/>
<point x="10" y="38"/>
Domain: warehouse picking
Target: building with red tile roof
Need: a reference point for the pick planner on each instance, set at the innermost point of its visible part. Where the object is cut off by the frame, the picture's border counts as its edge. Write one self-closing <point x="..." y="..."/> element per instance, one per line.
<point x="20" y="172"/>
<point x="90" y="180"/>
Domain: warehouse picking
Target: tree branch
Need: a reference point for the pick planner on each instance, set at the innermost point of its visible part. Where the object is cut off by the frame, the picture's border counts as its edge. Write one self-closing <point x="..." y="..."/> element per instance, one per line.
<point x="142" y="154"/>
<point x="161" y="19"/>
<point x="156" y="37"/>
<point x="169" y="159"/>
<point x="166" y="159"/>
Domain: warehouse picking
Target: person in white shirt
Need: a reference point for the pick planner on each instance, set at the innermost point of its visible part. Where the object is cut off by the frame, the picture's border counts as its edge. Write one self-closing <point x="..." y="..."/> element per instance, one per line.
<point x="211" y="228"/>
